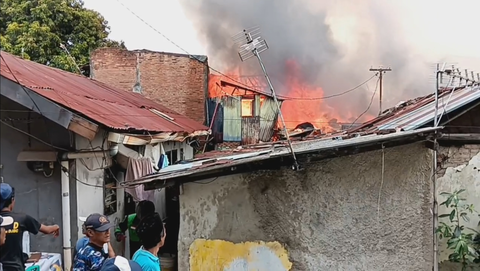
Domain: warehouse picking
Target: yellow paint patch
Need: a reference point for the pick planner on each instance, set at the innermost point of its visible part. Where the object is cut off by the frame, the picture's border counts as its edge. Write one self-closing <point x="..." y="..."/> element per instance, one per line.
<point x="219" y="255"/>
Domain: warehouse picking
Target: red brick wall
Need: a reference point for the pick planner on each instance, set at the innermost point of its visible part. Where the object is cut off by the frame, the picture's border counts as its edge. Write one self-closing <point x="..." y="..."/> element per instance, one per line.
<point x="174" y="80"/>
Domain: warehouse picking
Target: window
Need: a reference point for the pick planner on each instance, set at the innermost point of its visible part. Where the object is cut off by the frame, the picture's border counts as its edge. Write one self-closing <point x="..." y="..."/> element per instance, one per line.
<point x="109" y="193"/>
<point x="172" y="156"/>
<point x="247" y="107"/>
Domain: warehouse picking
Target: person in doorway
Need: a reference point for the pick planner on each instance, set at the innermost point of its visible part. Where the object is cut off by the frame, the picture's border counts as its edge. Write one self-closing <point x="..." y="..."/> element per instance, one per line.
<point x="144" y="208"/>
<point x="11" y="253"/>
<point x="92" y="256"/>
<point x="4" y="221"/>
<point x="151" y="232"/>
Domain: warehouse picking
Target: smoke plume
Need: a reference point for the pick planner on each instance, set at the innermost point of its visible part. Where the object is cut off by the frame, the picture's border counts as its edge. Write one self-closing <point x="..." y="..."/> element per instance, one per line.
<point x="333" y="42"/>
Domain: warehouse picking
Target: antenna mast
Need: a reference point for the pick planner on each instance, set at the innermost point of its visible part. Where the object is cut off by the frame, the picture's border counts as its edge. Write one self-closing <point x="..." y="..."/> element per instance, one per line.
<point x="251" y="44"/>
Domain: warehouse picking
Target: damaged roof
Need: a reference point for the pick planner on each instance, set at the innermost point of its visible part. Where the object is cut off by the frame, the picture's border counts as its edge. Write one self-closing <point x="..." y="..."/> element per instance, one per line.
<point x="415" y="113"/>
<point x="402" y="123"/>
<point x="212" y="161"/>
<point x="112" y="107"/>
<point x="251" y="84"/>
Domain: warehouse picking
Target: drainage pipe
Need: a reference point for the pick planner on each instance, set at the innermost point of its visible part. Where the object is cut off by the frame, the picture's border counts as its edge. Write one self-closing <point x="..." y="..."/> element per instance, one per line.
<point x="112" y="151"/>
<point x="67" y="244"/>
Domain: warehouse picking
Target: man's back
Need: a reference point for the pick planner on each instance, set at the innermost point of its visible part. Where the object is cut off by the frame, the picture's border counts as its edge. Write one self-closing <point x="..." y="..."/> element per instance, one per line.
<point x="11" y="253"/>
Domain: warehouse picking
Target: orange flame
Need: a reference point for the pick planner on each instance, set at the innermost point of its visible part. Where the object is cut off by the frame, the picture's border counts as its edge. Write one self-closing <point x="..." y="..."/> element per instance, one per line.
<point x="303" y="102"/>
<point x="305" y="105"/>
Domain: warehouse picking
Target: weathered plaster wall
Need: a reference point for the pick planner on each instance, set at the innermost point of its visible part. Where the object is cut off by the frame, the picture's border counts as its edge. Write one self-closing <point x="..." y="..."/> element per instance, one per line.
<point x="36" y="195"/>
<point x="89" y="187"/>
<point x="459" y="169"/>
<point x="327" y="216"/>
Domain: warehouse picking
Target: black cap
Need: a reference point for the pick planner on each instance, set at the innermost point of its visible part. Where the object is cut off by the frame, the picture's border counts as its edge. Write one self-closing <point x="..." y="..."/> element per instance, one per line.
<point x="98" y="222"/>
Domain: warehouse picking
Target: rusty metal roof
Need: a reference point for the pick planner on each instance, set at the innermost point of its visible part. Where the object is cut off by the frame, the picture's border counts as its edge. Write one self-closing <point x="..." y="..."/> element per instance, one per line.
<point x="420" y="111"/>
<point x="218" y="160"/>
<point x="115" y="108"/>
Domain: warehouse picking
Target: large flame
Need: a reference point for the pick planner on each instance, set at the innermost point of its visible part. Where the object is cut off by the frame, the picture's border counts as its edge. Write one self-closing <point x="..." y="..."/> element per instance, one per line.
<point x="302" y="102"/>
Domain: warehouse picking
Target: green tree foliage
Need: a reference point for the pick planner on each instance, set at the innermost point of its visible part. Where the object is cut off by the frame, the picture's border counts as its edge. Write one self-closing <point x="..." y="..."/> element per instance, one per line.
<point x="461" y="243"/>
<point x="35" y="29"/>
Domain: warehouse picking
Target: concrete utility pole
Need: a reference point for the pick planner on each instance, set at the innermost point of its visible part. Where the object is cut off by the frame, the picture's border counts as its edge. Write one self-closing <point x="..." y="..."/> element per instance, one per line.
<point x="380" y="71"/>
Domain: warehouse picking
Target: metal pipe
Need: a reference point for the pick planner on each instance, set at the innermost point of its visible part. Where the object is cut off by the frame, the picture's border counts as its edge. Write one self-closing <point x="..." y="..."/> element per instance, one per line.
<point x="112" y="151"/>
<point x="67" y="244"/>
<point x="434" y="176"/>
<point x="296" y="166"/>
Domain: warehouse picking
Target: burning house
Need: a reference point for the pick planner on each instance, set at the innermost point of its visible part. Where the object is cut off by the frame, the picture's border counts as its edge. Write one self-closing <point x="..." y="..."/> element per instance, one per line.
<point x="239" y="113"/>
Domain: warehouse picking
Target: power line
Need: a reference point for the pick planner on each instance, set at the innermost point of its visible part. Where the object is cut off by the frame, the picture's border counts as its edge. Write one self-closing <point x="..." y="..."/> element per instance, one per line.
<point x="329" y="96"/>
<point x="34" y="103"/>
<point x="32" y="136"/>
<point x="229" y="77"/>
<point x="369" y="105"/>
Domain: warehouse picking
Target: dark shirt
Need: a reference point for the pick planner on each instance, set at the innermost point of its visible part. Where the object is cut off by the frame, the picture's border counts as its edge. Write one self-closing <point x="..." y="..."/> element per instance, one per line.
<point x="11" y="253"/>
<point x="89" y="258"/>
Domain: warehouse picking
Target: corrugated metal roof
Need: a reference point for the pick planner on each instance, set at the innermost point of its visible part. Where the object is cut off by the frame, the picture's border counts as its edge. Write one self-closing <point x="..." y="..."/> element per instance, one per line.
<point x="115" y="108"/>
<point x="212" y="162"/>
<point x="417" y="112"/>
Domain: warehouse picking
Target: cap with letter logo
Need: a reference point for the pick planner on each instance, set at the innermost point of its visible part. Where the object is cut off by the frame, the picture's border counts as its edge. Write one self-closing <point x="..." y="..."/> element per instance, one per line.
<point x="98" y="222"/>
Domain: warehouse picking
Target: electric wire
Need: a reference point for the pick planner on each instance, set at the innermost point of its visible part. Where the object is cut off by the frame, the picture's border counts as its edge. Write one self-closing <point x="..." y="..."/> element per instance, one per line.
<point x="369" y="105"/>
<point x="229" y="77"/>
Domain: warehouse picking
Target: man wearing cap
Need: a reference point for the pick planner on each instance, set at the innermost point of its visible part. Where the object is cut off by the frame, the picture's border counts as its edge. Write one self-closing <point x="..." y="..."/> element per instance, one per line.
<point x="4" y="221"/>
<point x="92" y="256"/>
<point x="11" y="253"/>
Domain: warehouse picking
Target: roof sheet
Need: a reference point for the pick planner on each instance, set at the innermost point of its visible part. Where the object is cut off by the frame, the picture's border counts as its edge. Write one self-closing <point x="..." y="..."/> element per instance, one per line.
<point x="115" y="108"/>
<point x="420" y="111"/>
<point x="229" y="159"/>
<point x="250" y="83"/>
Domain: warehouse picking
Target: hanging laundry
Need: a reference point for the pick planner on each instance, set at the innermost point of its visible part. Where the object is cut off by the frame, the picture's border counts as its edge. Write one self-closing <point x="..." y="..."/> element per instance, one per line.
<point x="138" y="168"/>
<point x="163" y="161"/>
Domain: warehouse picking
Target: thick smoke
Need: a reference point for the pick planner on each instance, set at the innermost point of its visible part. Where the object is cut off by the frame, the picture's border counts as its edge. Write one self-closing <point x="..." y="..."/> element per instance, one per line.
<point x="334" y="43"/>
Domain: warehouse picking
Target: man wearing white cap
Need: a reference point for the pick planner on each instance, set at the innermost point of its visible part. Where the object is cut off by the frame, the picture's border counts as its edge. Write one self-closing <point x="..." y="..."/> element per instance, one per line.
<point x="4" y="221"/>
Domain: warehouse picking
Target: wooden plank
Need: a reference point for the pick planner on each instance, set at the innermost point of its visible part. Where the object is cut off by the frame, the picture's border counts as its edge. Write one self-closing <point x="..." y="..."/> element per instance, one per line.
<point x="83" y="127"/>
<point x="250" y="130"/>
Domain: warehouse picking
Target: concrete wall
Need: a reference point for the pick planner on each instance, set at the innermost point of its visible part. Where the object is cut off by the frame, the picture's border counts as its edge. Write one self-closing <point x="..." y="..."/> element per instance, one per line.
<point x="36" y="195"/>
<point x="89" y="187"/>
<point x="327" y="216"/>
<point x="90" y="175"/>
<point x="177" y="81"/>
<point x="459" y="169"/>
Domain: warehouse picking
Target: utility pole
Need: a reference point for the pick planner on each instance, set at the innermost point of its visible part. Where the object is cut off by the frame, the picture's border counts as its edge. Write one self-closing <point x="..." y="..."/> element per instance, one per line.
<point x="380" y="71"/>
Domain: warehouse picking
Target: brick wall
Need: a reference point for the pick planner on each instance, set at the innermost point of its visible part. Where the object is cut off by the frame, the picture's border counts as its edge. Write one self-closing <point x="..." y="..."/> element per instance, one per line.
<point x="174" y="80"/>
<point x="459" y="154"/>
<point x="454" y="156"/>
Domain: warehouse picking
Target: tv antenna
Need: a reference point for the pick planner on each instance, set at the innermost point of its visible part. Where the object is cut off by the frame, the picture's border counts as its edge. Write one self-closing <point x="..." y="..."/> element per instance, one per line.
<point x="251" y="44"/>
